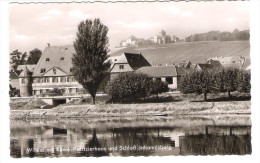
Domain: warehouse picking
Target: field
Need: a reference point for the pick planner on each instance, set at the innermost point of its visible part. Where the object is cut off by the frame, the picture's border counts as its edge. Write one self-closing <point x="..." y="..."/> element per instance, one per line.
<point x="196" y="52"/>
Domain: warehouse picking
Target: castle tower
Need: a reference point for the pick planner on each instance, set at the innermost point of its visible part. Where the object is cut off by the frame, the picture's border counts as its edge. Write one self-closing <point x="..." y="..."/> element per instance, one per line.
<point x="25" y="80"/>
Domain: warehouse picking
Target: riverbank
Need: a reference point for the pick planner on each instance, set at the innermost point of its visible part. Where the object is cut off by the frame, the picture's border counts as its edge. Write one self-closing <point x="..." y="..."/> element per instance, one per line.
<point x="130" y="110"/>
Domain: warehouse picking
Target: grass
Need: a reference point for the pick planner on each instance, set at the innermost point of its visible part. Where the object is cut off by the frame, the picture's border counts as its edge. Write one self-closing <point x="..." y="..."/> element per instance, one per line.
<point x="196" y="52"/>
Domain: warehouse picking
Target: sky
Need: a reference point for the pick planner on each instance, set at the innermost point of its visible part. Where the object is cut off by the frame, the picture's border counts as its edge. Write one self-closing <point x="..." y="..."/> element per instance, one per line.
<point x="34" y="25"/>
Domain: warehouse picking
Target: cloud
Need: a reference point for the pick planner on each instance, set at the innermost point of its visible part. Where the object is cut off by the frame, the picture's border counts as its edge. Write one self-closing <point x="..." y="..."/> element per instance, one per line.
<point x="50" y="14"/>
<point x="172" y="9"/>
<point x="137" y="24"/>
<point x="78" y="14"/>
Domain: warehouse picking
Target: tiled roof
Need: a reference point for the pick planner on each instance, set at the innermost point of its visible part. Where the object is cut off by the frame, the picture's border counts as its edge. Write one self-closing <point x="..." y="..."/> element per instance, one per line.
<point x="54" y="55"/>
<point x="159" y="71"/>
<point x="135" y="60"/>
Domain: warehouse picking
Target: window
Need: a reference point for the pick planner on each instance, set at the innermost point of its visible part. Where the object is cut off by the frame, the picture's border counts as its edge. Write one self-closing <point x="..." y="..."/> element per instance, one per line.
<point x="43" y="80"/>
<point x="47" y="59"/>
<point x="169" y="80"/>
<point x="47" y="80"/>
<point x="62" y="58"/>
<point x="115" y="60"/>
<point x="233" y="61"/>
<point x="63" y="79"/>
<point x="43" y="70"/>
<point x="121" y="66"/>
<point x="23" y="80"/>
<point x="158" y="79"/>
<point x="54" y="71"/>
<point x="71" y="69"/>
<point x="55" y="80"/>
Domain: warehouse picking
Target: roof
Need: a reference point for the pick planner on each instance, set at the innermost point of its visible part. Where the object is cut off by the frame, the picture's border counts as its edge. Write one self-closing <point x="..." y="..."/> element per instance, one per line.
<point x="54" y="54"/>
<point x="135" y="60"/>
<point x="184" y="64"/>
<point x="159" y="71"/>
<point x="29" y="67"/>
<point x="25" y="73"/>
<point x="205" y="66"/>
<point x="13" y="75"/>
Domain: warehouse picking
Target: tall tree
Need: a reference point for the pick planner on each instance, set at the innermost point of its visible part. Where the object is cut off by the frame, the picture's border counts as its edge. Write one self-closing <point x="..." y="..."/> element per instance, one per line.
<point x="34" y="56"/>
<point x="17" y="58"/>
<point x="90" y="65"/>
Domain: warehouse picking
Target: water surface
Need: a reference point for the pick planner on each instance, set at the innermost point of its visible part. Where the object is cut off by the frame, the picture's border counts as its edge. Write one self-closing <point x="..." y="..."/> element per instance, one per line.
<point x="146" y="136"/>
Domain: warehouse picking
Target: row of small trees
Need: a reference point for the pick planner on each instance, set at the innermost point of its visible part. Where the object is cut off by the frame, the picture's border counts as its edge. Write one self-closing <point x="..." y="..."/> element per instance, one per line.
<point x="131" y="86"/>
<point x="215" y="81"/>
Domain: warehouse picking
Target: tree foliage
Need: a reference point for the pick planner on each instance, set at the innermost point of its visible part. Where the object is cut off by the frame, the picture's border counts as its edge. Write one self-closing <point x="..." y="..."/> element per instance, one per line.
<point x="89" y="61"/>
<point x="215" y="81"/>
<point x="219" y="36"/>
<point x="17" y="58"/>
<point x="131" y="86"/>
<point x="34" y="56"/>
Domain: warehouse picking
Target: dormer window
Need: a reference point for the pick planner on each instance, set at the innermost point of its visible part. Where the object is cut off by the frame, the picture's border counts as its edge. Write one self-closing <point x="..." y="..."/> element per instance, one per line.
<point x="115" y="60"/>
<point x="47" y="59"/>
<point x="43" y="70"/>
<point x="62" y="58"/>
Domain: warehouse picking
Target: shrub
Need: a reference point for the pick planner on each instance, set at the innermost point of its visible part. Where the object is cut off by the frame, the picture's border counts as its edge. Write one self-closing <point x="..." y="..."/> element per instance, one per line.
<point x="130" y="86"/>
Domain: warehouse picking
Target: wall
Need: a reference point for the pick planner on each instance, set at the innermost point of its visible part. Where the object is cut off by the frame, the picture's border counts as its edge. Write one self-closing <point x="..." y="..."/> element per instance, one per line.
<point x="116" y="68"/>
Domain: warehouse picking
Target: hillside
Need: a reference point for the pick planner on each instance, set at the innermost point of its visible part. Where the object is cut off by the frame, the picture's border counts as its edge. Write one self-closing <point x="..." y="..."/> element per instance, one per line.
<point x="196" y="52"/>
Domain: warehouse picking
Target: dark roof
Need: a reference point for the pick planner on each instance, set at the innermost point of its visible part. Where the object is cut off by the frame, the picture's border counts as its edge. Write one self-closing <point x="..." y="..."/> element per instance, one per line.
<point x="215" y="63"/>
<point x="136" y="61"/>
<point x="184" y="64"/>
<point x="159" y="71"/>
<point x="205" y="66"/>
<point x="13" y="75"/>
<point x="54" y="53"/>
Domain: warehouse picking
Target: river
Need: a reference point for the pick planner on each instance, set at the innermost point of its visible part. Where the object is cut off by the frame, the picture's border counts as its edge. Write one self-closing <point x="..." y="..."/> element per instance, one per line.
<point x="133" y="136"/>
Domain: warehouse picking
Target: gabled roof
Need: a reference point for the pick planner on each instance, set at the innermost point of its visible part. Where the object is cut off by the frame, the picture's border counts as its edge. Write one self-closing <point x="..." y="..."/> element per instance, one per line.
<point x="184" y="64"/>
<point x="54" y="54"/>
<point x="135" y="60"/>
<point x="159" y="71"/>
<point x="205" y="66"/>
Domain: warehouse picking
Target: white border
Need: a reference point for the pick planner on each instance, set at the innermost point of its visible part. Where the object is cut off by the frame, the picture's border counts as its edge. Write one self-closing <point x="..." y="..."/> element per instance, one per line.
<point x="4" y="110"/>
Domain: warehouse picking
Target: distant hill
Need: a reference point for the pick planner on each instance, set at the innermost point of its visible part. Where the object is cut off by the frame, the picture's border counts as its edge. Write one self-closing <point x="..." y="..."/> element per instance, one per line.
<point x="196" y="52"/>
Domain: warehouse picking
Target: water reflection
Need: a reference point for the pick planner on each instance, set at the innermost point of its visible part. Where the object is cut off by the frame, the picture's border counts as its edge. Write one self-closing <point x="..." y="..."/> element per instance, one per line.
<point x="131" y="137"/>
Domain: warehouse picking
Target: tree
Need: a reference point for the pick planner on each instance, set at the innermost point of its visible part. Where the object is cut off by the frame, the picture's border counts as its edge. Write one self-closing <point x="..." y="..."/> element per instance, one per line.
<point x="89" y="62"/>
<point x="199" y="82"/>
<point x="34" y="56"/>
<point x="129" y="86"/>
<point x="159" y="86"/>
<point x="17" y="58"/>
<point x="243" y="80"/>
<point x="227" y="79"/>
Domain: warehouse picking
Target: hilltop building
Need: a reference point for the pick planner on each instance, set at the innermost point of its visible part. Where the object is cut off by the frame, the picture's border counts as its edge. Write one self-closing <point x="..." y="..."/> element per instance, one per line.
<point x="131" y="41"/>
<point x="162" y="38"/>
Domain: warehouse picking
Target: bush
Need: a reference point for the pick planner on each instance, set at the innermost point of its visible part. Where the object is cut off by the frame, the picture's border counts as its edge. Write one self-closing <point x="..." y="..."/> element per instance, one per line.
<point x="130" y="86"/>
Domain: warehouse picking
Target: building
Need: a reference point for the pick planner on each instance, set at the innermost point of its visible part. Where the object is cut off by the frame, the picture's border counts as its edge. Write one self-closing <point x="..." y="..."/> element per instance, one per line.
<point x="170" y="74"/>
<point x="131" y="41"/>
<point x="230" y="62"/>
<point x="53" y="70"/>
<point x="162" y="38"/>
<point x="185" y="64"/>
<point x="127" y="62"/>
